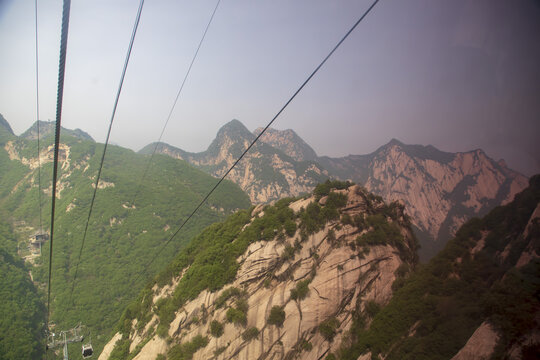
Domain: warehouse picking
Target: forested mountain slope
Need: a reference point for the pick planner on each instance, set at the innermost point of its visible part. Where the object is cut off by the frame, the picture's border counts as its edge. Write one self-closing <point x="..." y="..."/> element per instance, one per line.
<point x="477" y="299"/>
<point x="265" y="173"/>
<point x="279" y="281"/>
<point x="123" y="236"/>
<point x="22" y="314"/>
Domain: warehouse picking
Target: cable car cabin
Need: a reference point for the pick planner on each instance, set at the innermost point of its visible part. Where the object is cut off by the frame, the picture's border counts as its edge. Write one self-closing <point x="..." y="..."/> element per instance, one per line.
<point x="41" y="237"/>
<point x="87" y="351"/>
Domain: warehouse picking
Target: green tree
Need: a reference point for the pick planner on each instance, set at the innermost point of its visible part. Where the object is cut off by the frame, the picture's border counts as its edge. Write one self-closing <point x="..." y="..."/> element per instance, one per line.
<point x="277" y="316"/>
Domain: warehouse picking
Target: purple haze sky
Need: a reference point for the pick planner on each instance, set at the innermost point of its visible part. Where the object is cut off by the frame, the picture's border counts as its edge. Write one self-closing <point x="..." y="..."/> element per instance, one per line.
<point x="458" y="74"/>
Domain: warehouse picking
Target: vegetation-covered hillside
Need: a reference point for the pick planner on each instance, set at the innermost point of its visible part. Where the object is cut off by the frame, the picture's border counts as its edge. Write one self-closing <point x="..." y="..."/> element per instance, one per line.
<point x="22" y="314"/>
<point x="122" y="236"/>
<point x="488" y="273"/>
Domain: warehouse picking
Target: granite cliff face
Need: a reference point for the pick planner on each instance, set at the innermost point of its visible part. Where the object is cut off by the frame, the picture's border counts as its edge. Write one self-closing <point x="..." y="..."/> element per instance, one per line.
<point x="265" y="173"/>
<point x="293" y="296"/>
<point x="440" y="190"/>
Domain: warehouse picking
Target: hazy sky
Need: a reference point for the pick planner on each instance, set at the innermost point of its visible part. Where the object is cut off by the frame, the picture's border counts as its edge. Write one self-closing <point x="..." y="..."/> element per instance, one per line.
<point x="459" y="74"/>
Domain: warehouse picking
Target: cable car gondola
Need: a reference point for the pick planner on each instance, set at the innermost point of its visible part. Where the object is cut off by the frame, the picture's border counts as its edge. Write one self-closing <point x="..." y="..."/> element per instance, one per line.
<point x="87" y="351"/>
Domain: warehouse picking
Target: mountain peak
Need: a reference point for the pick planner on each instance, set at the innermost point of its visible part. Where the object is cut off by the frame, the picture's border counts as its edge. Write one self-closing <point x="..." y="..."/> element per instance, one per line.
<point x="47" y="128"/>
<point x="234" y="127"/>
<point x="393" y="142"/>
<point x="5" y="124"/>
<point x="288" y="142"/>
<point x="232" y="136"/>
<point x="419" y="151"/>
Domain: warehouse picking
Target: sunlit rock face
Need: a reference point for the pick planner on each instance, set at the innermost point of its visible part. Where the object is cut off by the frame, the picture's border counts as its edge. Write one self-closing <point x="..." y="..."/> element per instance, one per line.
<point x="480" y="345"/>
<point x="343" y="278"/>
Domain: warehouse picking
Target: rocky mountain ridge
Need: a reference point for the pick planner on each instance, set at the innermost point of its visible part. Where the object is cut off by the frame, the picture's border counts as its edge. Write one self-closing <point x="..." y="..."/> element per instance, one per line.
<point x="265" y="173"/>
<point x="295" y="291"/>
<point x="440" y="190"/>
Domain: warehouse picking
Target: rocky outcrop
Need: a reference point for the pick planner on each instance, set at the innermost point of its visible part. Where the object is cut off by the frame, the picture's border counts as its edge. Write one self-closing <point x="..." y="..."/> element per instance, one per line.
<point x="532" y="249"/>
<point x="109" y="347"/>
<point x="481" y="344"/>
<point x="46" y="155"/>
<point x="317" y="282"/>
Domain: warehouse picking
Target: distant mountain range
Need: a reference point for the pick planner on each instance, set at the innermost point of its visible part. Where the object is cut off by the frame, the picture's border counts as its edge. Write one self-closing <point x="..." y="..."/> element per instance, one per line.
<point x="4" y="124"/>
<point x="440" y="190"/>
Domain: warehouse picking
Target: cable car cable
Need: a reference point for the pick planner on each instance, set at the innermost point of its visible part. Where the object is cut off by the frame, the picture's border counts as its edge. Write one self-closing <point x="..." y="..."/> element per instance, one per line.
<point x="257" y="138"/>
<point x="59" y="98"/>
<point x="128" y="55"/>
<point x="37" y="122"/>
<point x="174" y="105"/>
